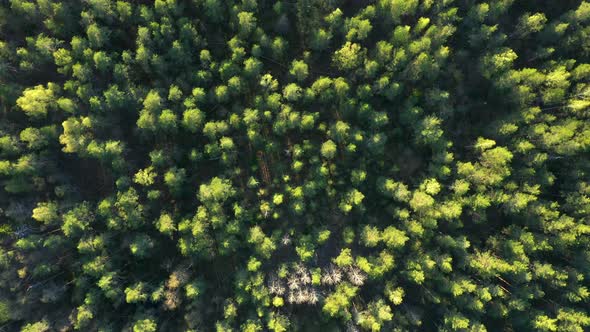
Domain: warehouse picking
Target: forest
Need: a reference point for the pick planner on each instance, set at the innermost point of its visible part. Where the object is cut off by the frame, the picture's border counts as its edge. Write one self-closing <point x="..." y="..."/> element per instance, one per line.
<point x="294" y="165"/>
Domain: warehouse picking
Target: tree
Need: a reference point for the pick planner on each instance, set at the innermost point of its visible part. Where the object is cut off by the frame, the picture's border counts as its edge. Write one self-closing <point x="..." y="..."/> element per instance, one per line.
<point x="328" y="149"/>
<point x="41" y="326"/>
<point x="145" y="177"/>
<point x="192" y="120"/>
<point x="320" y="39"/>
<point x="292" y="92"/>
<point x="299" y="70"/>
<point x="145" y="325"/>
<point x="37" y="101"/>
<point x="278" y="323"/>
<point x="251" y="326"/>
<point x="152" y="105"/>
<point x="494" y="64"/>
<point x="175" y="178"/>
<point x="278" y="47"/>
<point x="46" y="212"/>
<point x="136" y="293"/>
<point x="247" y="23"/>
<point x="77" y="220"/>
<point x="102" y="61"/>
<point x="357" y="28"/>
<point x="530" y="23"/>
<point x="395" y="295"/>
<point x="375" y="316"/>
<point x="393" y="237"/>
<point x="340" y="131"/>
<point x="263" y="245"/>
<point x="344" y="259"/>
<point x="213" y="129"/>
<point x="353" y="198"/>
<point x="167" y="121"/>
<point x="165" y="224"/>
<point x="399" y="8"/>
<point x="337" y="303"/>
<point x="193" y="289"/>
<point x="544" y="323"/>
<point x="370" y="236"/>
<point x="38" y="138"/>
<point x="491" y="169"/>
<point x="152" y="102"/>
<point x="421" y="201"/>
<point x="217" y="191"/>
<point x="349" y="57"/>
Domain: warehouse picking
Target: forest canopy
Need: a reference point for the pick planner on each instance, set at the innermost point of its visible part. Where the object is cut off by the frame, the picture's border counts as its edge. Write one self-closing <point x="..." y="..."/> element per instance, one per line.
<point x="301" y="165"/>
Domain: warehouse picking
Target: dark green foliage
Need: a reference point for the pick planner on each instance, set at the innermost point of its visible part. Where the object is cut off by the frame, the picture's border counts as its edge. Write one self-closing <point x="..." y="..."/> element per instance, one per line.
<point x="309" y="165"/>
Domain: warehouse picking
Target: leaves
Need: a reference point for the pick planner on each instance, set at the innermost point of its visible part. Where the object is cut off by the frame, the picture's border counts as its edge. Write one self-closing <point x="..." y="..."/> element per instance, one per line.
<point x="315" y="165"/>
<point x="38" y="101"/>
